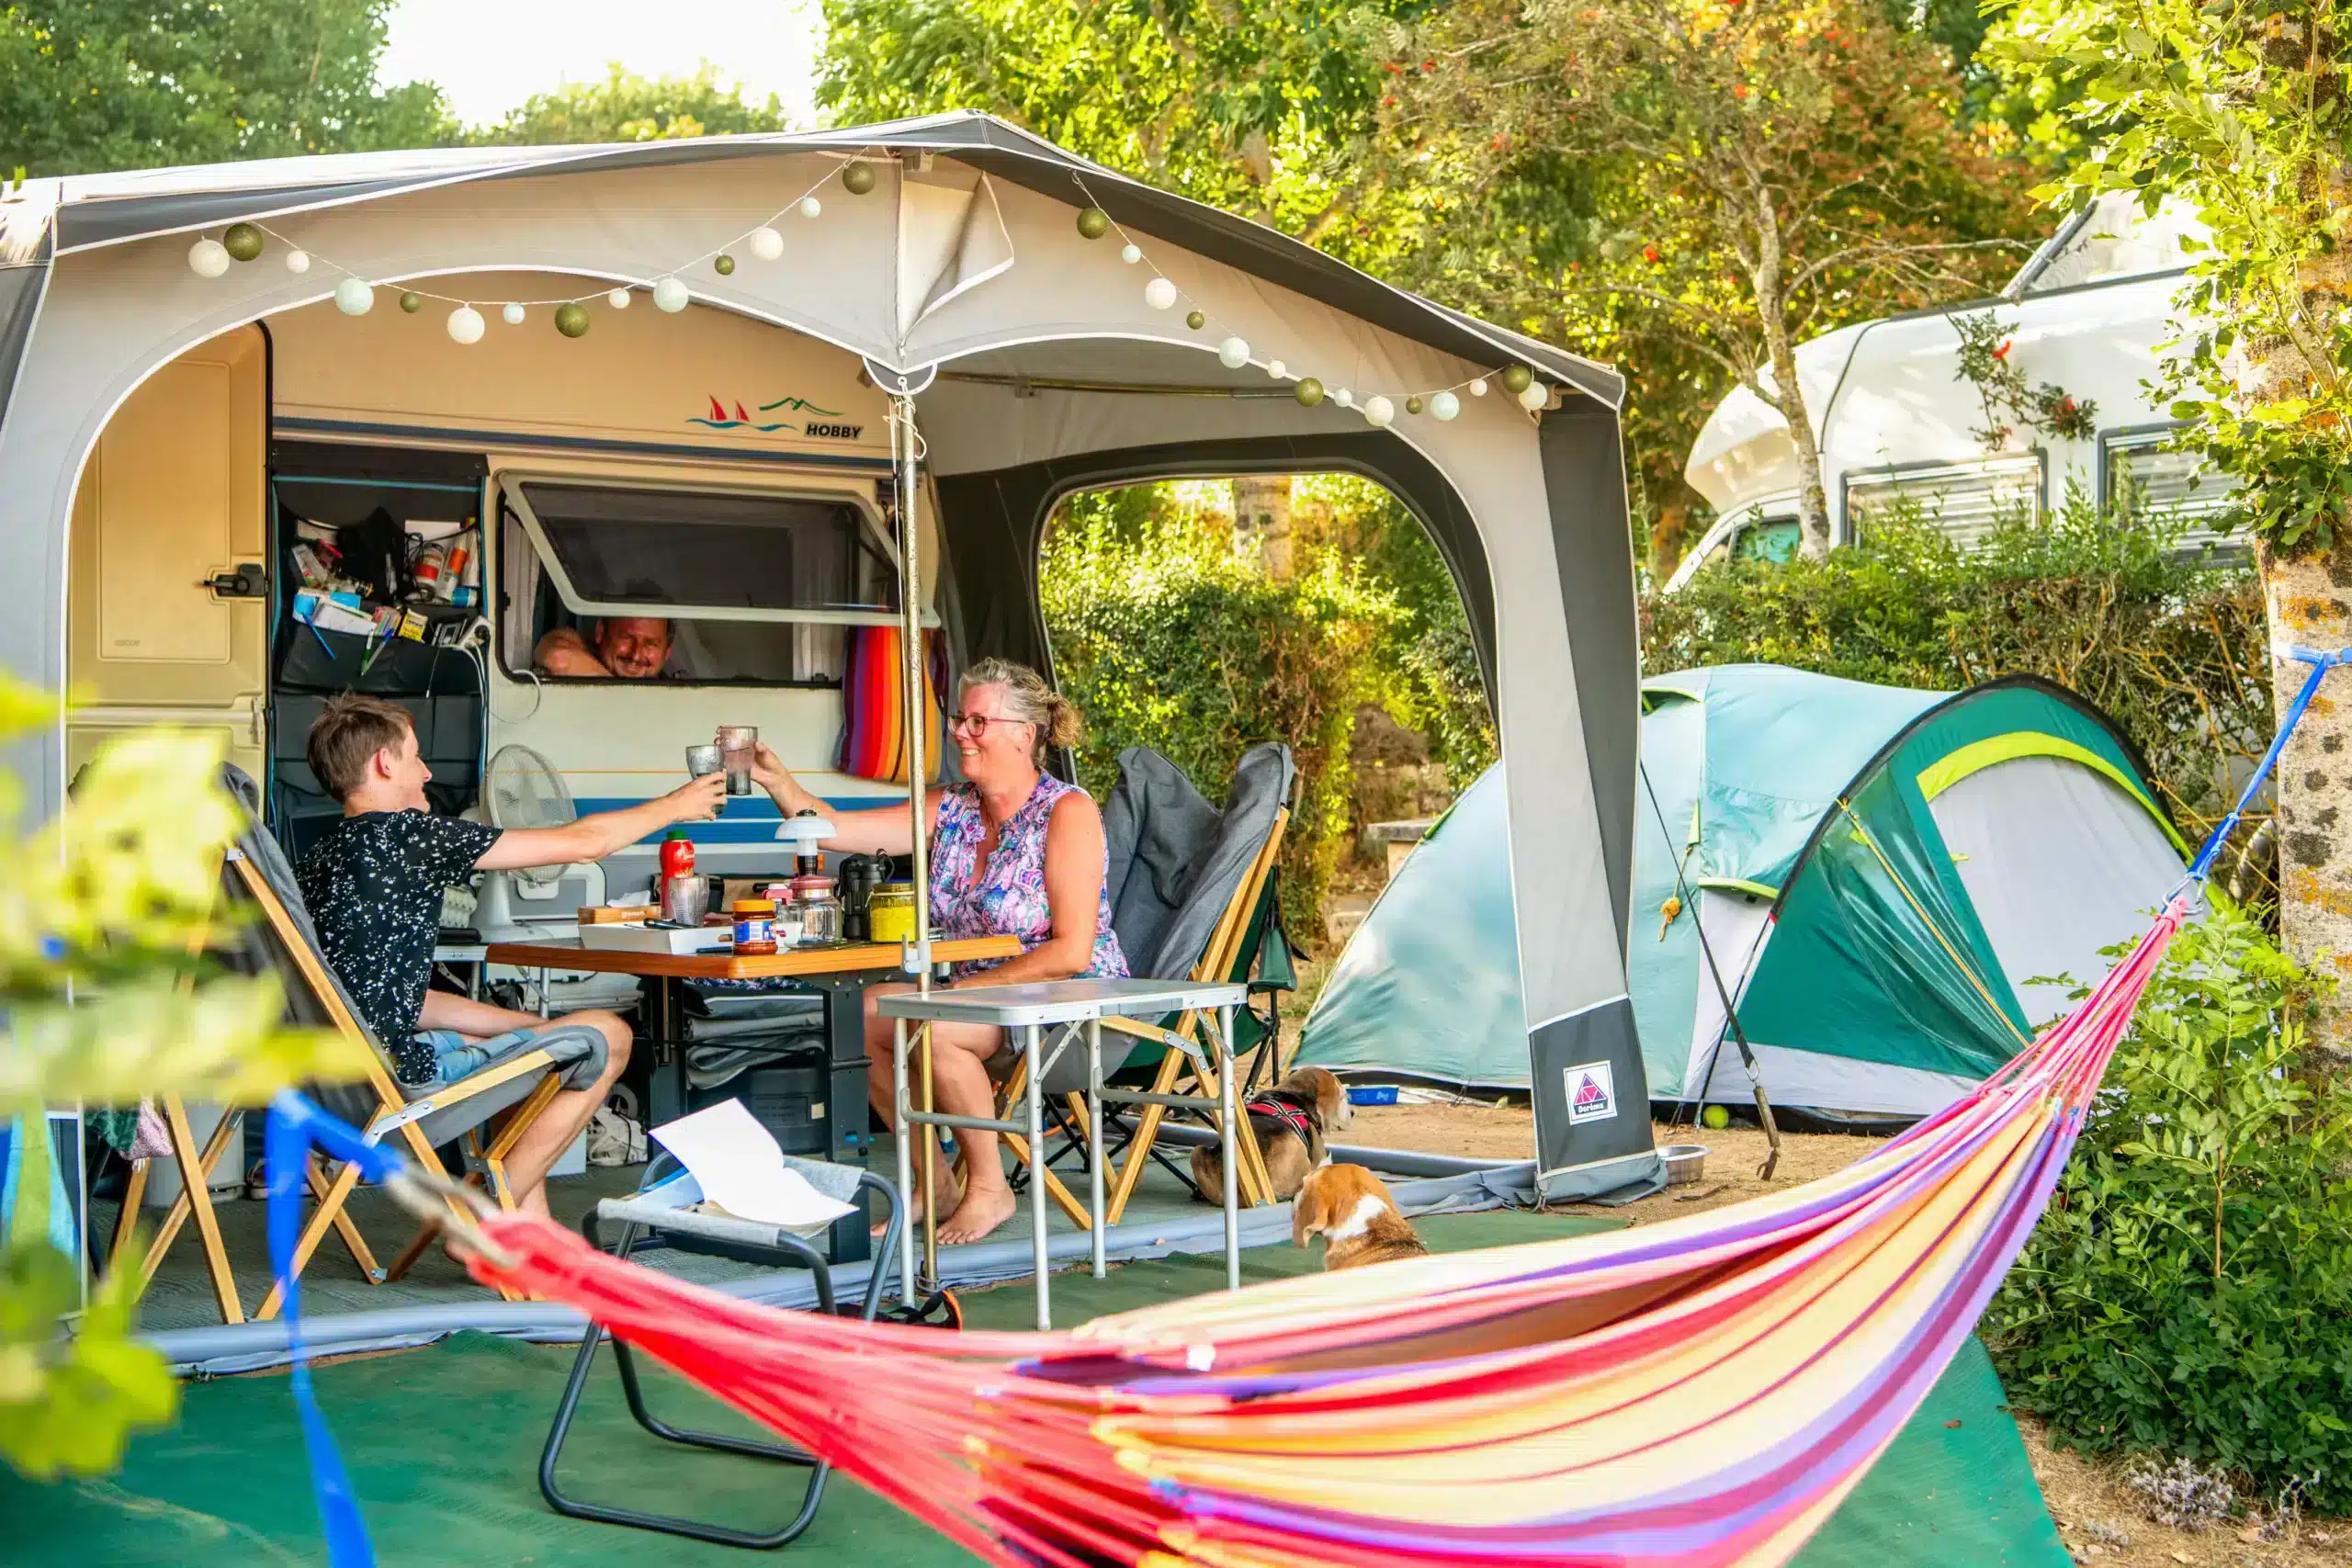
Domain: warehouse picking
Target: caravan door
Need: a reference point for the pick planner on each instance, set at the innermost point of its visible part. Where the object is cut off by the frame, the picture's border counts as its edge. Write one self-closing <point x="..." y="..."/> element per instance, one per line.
<point x="167" y="595"/>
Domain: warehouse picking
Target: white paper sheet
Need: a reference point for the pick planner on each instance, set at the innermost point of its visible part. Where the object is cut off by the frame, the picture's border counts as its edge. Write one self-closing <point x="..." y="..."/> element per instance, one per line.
<point x="742" y="1170"/>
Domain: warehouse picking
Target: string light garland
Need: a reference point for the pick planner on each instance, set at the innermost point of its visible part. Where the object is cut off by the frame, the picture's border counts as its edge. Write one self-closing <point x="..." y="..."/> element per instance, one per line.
<point x="1379" y="410"/>
<point x="355" y="295"/>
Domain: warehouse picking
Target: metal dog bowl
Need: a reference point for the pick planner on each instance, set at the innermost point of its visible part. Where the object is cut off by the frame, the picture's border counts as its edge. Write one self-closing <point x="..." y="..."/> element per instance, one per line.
<point x="1685" y="1163"/>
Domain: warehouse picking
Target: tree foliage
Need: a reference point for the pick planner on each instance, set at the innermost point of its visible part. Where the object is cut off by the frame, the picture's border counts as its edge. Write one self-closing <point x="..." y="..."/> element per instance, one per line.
<point x="95" y="84"/>
<point x="2238" y="107"/>
<point x="108" y="913"/>
<point x="1771" y="167"/>
<point x="625" y="106"/>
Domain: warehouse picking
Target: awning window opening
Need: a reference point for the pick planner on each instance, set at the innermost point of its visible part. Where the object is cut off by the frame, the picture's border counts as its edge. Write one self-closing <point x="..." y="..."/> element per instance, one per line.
<point x="809" y="556"/>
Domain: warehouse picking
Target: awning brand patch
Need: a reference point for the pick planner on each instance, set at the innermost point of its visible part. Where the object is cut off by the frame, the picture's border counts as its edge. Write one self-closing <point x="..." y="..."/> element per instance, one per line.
<point x="1592" y="1093"/>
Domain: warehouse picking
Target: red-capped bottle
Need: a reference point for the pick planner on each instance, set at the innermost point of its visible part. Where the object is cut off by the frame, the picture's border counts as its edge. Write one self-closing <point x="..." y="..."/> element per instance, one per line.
<point x="677" y="855"/>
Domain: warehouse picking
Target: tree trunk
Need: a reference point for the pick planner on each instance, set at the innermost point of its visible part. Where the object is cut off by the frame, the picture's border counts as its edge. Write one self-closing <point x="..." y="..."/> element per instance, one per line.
<point x="1261" y="521"/>
<point x="1666" y="539"/>
<point x="1813" y="500"/>
<point x="2309" y="601"/>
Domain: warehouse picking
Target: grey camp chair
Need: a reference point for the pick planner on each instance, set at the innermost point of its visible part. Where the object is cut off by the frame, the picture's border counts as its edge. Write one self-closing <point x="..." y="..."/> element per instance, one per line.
<point x="522" y="1080"/>
<point x="1186" y="884"/>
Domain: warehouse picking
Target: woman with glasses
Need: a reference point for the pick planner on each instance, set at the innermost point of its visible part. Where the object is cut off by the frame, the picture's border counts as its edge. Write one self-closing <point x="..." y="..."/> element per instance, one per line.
<point x="1015" y="852"/>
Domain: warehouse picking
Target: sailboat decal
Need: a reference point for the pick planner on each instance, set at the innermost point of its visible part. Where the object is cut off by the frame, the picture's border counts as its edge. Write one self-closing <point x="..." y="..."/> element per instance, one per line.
<point x="720" y="420"/>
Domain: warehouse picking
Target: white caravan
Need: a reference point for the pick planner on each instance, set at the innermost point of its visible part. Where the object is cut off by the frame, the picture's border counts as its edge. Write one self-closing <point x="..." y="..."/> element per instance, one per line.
<point x="2091" y="312"/>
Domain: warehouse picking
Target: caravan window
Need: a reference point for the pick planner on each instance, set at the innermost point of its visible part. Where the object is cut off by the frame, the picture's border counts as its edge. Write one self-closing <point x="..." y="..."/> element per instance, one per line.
<point x="756" y="587"/>
<point x="2117" y="240"/>
<point x="1967" y="500"/>
<point x="2139" y="474"/>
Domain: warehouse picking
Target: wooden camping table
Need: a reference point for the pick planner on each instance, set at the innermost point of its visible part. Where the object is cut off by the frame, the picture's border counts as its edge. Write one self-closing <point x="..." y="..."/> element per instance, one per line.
<point x="839" y="974"/>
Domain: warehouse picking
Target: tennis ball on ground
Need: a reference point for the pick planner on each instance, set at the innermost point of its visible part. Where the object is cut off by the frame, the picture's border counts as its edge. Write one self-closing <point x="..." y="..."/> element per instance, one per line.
<point x="1716" y="1117"/>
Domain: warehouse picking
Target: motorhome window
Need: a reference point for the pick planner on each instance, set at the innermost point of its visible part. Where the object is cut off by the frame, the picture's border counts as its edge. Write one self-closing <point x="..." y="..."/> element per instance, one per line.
<point x="712" y="550"/>
<point x="2118" y="241"/>
<point x="2145" y="478"/>
<point x="1965" y="500"/>
<point x="1771" y="539"/>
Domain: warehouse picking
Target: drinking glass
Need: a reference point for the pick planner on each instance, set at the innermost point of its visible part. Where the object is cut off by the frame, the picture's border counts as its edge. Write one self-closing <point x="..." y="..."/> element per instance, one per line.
<point x="702" y="760"/>
<point x="739" y="741"/>
<point x="685" y="901"/>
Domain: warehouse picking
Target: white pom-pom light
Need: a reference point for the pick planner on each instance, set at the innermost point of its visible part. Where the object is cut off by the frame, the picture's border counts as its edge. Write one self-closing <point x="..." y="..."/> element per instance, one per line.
<point x="1534" y="397"/>
<point x="1277" y="370"/>
<point x="353" y="296"/>
<point x="1344" y="397"/>
<point x="767" y="243"/>
<point x="207" y="258"/>
<point x="1478" y="387"/>
<point x="298" y="261"/>
<point x="1378" y="410"/>
<point x="466" y="324"/>
<point x="1233" y="354"/>
<point x="512" y="315"/>
<point x="669" y="295"/>
<point x="617" y="298"/>
<point x="810" y="207"/>
<point x="1131" y="254"/>
<point x="1159" y="293"/>
<point x="1445" y="405"/>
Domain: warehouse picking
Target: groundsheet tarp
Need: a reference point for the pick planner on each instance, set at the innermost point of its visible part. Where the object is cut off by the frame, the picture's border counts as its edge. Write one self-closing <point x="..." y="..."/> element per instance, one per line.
<point x="442" y="1446"/>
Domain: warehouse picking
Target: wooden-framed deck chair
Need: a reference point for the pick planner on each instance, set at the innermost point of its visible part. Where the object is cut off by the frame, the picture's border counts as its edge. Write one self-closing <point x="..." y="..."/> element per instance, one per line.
<point x="1191" y="893"/>
<point x="518" y="1083"/>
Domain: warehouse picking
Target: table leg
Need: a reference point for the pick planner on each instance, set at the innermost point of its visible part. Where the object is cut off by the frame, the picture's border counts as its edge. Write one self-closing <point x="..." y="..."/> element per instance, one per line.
<point x="1094" y="1137"/>
<point x="665" y="1082"/>
<point x="845" y="1057"/>
<point x="1031" y="1035"/>
<point x="899" y="1108"/>
<point x="1230" y="1138"/>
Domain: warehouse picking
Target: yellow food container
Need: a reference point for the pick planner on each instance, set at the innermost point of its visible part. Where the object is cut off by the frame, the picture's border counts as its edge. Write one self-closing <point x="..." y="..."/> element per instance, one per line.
<point x="890" y="912"/>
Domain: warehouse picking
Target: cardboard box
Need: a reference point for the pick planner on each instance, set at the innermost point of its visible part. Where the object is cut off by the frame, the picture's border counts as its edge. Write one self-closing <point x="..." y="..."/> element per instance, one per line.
<point x="636" y="936"/>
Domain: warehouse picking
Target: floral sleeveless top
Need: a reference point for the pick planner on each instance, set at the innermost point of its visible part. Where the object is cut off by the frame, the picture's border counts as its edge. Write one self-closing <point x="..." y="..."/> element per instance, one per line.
<point x="1009" y="897"/>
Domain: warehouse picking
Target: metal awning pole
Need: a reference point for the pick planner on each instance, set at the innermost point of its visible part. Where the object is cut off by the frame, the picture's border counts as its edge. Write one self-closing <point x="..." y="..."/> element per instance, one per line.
<point x="907" y="448"/>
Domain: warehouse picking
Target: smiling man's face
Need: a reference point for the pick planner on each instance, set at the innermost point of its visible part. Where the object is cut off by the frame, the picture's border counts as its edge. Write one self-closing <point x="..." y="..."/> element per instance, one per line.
<point x="634" y="646"/>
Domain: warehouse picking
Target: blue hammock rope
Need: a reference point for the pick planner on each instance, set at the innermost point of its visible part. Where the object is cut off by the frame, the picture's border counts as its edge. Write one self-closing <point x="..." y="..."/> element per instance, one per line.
<point x="296" y="1126"/>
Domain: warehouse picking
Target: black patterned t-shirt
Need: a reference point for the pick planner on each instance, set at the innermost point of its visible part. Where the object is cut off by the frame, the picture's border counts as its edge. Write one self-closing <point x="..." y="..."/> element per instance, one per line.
<point x="373" y="885"/>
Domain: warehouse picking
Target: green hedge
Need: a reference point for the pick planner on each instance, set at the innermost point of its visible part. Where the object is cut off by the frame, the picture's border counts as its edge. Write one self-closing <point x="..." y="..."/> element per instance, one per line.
<point x="2171" y="648"/>
<point x="2190" y="1291"/>
<point x="1164" y="638"/>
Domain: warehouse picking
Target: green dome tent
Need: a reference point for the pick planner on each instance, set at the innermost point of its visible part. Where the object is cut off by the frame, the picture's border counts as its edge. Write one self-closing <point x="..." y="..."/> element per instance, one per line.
<point x="1888" y="882"/>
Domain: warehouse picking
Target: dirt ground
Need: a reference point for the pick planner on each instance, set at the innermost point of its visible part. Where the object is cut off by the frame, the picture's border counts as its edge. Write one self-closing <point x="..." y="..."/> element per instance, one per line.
<point x="2098" y="1517"/>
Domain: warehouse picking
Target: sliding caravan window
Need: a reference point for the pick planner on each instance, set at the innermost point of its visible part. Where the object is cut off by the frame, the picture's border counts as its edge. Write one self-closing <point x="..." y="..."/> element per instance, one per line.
<point x="2139" y="474"/>
<point x="756" y="585"/>
<point x="1964" y="501"/>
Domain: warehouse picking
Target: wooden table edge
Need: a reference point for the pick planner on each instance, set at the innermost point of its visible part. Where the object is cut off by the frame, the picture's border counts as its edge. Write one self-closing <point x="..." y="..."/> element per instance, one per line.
<point x="694" y="967"/>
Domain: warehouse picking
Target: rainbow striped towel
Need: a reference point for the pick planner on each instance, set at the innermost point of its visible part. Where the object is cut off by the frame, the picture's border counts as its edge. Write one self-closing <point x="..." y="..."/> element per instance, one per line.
<point x="874" y="740"/>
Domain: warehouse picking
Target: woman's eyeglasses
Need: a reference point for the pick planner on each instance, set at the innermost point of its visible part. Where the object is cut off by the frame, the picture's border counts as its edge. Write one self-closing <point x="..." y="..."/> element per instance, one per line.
<point x="978" y="723"/>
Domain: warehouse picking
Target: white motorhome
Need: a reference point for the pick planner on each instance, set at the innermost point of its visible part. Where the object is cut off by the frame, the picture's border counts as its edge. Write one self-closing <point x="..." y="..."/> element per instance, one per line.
<point x="2090" y="313"/>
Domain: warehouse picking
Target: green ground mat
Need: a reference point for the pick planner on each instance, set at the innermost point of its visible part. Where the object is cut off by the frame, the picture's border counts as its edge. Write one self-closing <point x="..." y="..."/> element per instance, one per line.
<point x="443" y="1447"/>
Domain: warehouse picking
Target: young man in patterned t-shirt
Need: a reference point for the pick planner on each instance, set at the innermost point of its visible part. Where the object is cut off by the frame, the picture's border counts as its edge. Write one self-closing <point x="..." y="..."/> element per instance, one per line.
<point x="374" y="884"/>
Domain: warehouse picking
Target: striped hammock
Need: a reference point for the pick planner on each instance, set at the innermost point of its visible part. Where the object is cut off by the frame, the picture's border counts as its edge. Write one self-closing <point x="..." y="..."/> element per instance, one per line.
<point x="874" y="711"/>
<point x="1701" y="1391"/>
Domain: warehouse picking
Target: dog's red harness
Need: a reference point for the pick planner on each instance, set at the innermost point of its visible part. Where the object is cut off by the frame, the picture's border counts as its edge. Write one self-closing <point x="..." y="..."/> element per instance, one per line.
<point x="1284" y="1110"/>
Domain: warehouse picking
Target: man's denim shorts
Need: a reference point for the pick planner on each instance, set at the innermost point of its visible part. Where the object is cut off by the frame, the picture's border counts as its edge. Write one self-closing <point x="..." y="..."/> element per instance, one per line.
<point x="456" y="1056"/>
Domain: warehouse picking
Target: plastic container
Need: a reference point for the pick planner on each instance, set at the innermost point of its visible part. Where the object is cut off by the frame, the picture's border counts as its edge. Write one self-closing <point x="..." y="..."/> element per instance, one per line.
<point x="890" y="913"/>
<point x="1371" y="1094"/>
<point x="678" y="854"/>
<point x="754" y="927"/>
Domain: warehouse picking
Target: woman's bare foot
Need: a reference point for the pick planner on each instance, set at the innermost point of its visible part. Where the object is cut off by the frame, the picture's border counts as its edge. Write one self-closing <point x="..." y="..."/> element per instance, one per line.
<point x="982" y="1209"/>
<point x="946" y="1196"/>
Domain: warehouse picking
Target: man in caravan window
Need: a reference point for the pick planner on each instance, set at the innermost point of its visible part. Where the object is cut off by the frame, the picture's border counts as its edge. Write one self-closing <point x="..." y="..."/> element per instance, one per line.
<point x="631" y="648"/>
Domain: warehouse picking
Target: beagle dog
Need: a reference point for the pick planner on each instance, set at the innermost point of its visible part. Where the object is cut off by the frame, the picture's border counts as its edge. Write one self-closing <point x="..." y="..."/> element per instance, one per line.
<point x="1351" y="1209"/>
<point x="1290" y="1121"/>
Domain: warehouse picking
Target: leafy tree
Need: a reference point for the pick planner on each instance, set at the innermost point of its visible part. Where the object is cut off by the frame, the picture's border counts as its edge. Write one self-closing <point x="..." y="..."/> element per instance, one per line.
<point x="107" y="914"/>
<point x="628" y="107"/>
<point x="1775" y="167"/>
<point x="95" y="84"/>
<point x="1262" y="108"/>
<point x="2238" y="107"/>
